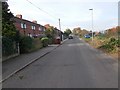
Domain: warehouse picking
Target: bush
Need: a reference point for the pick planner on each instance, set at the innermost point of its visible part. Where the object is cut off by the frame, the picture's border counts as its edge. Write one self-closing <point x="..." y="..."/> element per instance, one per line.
<point x="118" y="43"/>
<point x="107" y="47"/>
<point x="37" y="44"/>
<point x="45" y="41"/>
<point x="111" y="45"/>
<point x="26" y="43"/>
<point x="112" y="39"/>
<point x="7" y="46"/>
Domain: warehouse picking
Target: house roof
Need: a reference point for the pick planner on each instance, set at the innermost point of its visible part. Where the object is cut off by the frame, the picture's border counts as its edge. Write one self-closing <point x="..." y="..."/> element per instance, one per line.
<point x="27" y="21"/>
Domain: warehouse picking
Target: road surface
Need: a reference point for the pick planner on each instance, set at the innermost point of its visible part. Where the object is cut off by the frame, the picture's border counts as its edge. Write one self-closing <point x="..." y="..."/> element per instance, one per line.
<point x="74" y="64"/>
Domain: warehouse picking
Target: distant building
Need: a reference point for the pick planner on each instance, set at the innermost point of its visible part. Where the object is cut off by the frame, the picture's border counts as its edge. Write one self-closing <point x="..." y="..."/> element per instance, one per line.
<point x="59" y="33"/>
<point x="28" y="28"/>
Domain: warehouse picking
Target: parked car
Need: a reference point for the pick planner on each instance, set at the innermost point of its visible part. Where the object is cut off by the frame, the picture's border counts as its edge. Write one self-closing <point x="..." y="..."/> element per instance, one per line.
<point x="70" y="37"/>
<point x="87" y="36"/>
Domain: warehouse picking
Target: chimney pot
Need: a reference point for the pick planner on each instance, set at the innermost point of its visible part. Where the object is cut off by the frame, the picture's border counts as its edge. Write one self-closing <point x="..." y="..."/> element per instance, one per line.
<point x="34" y="21"/>
<point x="19" y="16"/>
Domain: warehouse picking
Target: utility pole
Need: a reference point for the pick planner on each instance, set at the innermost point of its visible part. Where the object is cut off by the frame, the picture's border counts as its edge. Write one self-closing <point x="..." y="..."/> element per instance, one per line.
<point x="59" y="25"/>
<point x="60" y="29"/>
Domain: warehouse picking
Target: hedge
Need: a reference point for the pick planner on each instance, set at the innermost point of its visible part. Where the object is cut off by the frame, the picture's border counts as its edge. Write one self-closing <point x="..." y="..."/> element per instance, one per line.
<point x="26" y="43"/>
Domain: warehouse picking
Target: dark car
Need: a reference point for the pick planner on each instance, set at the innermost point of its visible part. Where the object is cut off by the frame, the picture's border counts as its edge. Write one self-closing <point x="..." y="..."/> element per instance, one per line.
<point x="70" y="37"/>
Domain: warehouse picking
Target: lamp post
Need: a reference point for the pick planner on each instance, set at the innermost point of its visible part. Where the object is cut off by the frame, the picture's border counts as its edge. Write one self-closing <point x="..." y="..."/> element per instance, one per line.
<point x="92" y="23"/>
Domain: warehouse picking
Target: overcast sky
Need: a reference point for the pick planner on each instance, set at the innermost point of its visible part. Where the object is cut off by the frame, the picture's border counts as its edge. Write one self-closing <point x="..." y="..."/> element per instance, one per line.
<point x="73" y="13"/>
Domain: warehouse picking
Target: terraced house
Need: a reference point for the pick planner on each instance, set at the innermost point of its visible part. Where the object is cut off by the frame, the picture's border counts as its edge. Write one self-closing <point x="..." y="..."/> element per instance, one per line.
<point x="28" y="28"/>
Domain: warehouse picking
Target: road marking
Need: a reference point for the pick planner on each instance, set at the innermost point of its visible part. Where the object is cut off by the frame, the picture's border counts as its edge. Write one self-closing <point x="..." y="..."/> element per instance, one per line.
<point x="77" y="44"/>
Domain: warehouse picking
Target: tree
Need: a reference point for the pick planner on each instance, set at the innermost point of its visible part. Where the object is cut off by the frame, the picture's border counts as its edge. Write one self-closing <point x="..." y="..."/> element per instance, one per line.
<point x="67" y="32"/>
<point x="77" y="31"/>
<point x="8" y="28"/>
<point x="118" y="30"/>
<point x="84" y="31"/>
<point x="10" y="36"/>
<point x="50" y="33"/>
<point x="113" y="32"/>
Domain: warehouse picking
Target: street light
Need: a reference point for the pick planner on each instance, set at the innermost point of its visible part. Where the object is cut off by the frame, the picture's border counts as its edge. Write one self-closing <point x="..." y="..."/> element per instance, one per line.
<point x="92" y="23"/>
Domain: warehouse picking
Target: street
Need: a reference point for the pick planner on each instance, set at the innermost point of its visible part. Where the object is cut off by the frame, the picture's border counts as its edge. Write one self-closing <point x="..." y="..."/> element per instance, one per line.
<point x="74" y="64"/>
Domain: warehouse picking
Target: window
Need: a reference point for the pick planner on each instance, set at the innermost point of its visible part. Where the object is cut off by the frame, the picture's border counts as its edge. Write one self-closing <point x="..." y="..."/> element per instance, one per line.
<point x="29" y="34"/>
<point x="33" y="27"/>
<point x="40" y="29"/>
<point x="23" y="25"/>
<point x="44" y="30"/>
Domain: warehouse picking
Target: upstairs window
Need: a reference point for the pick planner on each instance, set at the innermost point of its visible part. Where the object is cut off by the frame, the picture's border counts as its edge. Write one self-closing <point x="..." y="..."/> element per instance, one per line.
<point x="33" y="27"/>
<point x="23" y="25"/>
<point x="40" y="29"/>
<point x="44" y="29"/>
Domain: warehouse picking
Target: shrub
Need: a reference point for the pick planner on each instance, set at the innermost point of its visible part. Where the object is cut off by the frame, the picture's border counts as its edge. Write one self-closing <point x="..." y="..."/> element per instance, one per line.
<point x="111" y="45"/>
<point x="118" y="43"/>
<point x="107" y="47"/>
<point x="26" y="43"/>
<point x="112" y="39"/>
<point x="37" y="44"/>
<point x="7" y="46"/>
<point x="45" y="41"/>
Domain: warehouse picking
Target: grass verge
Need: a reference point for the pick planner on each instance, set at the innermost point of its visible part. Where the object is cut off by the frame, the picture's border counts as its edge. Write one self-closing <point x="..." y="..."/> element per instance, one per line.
<point x="110" y="46"/>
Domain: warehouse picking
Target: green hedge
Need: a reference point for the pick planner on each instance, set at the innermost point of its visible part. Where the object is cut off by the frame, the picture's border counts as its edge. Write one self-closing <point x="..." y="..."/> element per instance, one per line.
<point x="26" y="44"/>
<point x="37" y="44"/>
<point x="7" y="46"/>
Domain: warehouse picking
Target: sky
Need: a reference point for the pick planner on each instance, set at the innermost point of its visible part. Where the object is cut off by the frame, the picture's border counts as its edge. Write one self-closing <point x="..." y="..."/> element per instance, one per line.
<point x="72" y="13"/>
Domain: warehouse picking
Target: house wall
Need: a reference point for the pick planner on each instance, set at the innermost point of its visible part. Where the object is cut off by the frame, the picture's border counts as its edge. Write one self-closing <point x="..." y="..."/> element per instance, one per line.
<point x="28" y="31"/>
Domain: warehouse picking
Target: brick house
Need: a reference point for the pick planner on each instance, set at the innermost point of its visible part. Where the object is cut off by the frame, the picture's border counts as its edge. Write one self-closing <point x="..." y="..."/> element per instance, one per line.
<point x="28" y="28"/>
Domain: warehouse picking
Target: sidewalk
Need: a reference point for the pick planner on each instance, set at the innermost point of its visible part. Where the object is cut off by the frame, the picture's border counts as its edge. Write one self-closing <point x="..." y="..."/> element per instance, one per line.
<point x="13" y="65"/>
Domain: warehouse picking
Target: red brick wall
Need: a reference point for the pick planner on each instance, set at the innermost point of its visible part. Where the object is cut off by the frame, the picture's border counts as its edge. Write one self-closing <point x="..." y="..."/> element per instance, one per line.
<point x="28" y="29"/>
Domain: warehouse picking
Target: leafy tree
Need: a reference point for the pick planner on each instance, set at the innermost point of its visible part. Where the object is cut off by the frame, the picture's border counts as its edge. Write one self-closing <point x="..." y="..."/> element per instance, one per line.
<point x="77" y="31"/>
<point x="8" y="28"/>
<point x="83" y="32"/>
<point x="10" y="36"/>
<point x="113" y="32"/>
<point x="80" y="32"/>
<point x="118" y="30"/>
<point x="67" y="32"/>
<point x="50" y="33"/>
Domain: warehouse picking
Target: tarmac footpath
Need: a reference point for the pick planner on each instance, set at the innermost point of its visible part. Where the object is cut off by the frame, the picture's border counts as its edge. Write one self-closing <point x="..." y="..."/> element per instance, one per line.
<point x="16" y="64"/>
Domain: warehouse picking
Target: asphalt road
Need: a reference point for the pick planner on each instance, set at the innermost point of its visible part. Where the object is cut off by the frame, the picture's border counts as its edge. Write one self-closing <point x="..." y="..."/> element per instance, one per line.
<point x="74" y="64"/>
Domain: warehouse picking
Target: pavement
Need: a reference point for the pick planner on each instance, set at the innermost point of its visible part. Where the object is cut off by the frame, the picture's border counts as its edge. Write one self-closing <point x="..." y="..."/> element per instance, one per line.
<point x="14" y="65"/>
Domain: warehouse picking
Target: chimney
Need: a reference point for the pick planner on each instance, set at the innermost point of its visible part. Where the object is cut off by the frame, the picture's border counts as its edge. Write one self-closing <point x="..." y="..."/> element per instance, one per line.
<point x="19" y="16"/>
<point x="34" y="21"/>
